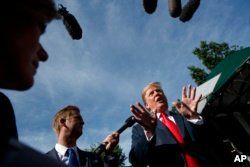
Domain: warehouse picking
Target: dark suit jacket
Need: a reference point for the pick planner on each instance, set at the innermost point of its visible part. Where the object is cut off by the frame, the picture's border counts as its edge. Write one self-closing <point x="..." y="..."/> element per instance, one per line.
<point x="12" y="152"/>
<point x="7" y="119"/>
<point x="17" y="154"/>
<point x="163" y="149"/>
<point x="87" y="159"/>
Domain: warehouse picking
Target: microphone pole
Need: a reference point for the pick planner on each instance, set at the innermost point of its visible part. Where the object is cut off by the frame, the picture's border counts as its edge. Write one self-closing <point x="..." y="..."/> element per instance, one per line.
<point x="130" y="121"/>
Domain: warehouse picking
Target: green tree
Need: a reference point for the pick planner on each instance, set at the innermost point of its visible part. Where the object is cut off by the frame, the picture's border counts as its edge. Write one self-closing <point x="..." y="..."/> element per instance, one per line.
<point x="117" y="153"/>
<point x="121" y="156"/>
<point x="210" y="55"/>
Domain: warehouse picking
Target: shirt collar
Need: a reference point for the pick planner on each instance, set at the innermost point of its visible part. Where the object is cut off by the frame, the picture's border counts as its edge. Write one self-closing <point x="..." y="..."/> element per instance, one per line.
<point x="62" y="149"/>
<point x="158" y="114"/>
<point x="166" y="112"/>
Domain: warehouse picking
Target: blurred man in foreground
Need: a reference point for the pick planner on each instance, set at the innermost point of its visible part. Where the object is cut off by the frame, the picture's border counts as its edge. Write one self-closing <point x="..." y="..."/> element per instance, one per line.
<point x="22" y="23"/>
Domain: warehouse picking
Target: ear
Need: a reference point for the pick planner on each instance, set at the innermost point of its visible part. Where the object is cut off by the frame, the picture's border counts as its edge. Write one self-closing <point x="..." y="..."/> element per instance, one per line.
<point x="62" y="121"/>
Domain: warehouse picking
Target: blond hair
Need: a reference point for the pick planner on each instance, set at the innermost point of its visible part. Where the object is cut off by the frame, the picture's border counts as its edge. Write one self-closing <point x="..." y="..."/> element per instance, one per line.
<point x="63" y="114"/>
<point x="150" y="85"/>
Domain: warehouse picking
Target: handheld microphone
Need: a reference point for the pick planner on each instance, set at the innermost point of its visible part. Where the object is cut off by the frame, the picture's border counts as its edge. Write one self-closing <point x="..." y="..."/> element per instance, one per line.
<point x="70" y="22"/>
<point x="130" y="121"/>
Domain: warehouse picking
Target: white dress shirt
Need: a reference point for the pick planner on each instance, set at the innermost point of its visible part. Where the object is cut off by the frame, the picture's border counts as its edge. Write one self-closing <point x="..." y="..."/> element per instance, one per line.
<point x="61" y="151"/>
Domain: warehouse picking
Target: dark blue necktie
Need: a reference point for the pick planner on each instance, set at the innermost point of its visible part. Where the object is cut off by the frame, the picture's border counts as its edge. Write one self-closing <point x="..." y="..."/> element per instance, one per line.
<point x="73" y="162"/>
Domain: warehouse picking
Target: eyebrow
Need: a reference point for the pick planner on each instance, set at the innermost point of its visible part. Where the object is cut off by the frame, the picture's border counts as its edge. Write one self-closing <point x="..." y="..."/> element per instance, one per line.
<point x="157" y="89"/>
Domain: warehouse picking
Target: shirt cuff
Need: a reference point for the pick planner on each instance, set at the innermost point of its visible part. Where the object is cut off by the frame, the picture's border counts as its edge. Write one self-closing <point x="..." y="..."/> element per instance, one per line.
<point x="197" y="121"/>
<point x="148" y="136"/>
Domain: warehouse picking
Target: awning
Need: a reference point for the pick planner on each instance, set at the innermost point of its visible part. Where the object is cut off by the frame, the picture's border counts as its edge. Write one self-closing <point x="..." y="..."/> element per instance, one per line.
<point x="227" y="102"/>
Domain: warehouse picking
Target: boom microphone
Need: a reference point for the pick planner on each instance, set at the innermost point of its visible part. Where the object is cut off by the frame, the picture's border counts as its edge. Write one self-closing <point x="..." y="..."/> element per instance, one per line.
<point x="130" y="121"/>
<point x="149" y="6"/>
<point x="174" y="8"/>
<point x="189" y="10"/>
<point x="70" y="22"/>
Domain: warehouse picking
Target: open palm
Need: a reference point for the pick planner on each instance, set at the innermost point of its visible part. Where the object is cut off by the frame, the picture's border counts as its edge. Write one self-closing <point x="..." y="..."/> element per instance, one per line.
<point x="188" y="105"/>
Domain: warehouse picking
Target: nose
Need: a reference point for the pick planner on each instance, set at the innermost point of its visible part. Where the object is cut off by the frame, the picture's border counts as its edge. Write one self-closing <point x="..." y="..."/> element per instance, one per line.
<point x="42" y="54"/>
<point x="156" y="92"/>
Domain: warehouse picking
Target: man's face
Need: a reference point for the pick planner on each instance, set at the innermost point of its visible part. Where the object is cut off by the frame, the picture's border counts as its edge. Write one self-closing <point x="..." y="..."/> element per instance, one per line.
<point x="74" y="124"/>
<point x="23" y="57"/>
<point x="156" y="100"/>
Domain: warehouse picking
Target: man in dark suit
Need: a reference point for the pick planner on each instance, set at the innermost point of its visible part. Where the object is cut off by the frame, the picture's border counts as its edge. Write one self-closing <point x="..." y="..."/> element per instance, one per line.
<point x="22" y="23"/>
<point x="68" y="124"/>
<point x="163" y="138"/>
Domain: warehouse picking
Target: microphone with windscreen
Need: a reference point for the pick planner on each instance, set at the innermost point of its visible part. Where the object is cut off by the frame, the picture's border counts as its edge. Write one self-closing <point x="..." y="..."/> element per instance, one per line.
<point x="70" y="22"/>
<point x="189" y="9"/>
<point x="174" y="8"/>
<point x="130" y="121"/>
<point x="149" y="5"/>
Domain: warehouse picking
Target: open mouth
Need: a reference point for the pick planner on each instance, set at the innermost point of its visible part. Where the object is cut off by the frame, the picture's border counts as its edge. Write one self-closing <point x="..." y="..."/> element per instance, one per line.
<point x="159" y="99"/>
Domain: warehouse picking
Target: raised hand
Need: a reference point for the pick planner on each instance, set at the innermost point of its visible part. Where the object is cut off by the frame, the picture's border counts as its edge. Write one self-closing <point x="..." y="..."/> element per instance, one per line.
<point x="188" y="105"/>
<point x="144" y="117"/>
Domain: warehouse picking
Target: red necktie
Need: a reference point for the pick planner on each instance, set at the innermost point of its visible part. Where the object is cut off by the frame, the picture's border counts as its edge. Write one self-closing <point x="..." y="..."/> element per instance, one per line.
<point x="173" y="128"/>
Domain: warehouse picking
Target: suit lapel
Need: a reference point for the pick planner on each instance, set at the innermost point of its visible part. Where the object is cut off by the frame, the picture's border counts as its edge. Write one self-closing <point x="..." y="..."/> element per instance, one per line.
<point x="53" y="154"/>
<point x="163" y="134"/>
<point x="82" y="157"/>
<point x="179" y="122"/>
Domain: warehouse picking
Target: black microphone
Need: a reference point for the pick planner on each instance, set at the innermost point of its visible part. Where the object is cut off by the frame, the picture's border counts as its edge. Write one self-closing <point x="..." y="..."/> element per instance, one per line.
<point x="70" y="22"/>
<point x="130" y="121"/>
<point x="174" y="8"/>
<point x="149" y="6"/>
<point x="189" y="9"/>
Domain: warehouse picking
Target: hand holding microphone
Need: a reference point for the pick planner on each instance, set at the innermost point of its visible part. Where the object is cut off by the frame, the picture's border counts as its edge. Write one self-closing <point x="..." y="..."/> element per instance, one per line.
<point x="112" y="140"/>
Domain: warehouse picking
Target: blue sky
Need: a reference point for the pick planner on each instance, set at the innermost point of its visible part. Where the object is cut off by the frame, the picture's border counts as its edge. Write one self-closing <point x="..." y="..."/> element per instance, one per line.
<point x="122" y="50"/>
